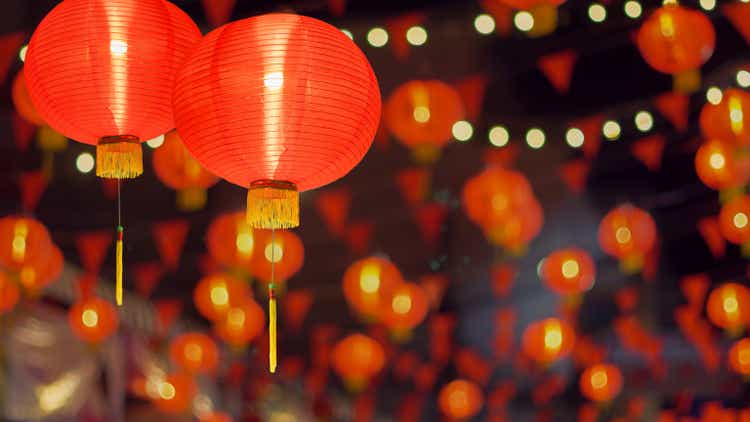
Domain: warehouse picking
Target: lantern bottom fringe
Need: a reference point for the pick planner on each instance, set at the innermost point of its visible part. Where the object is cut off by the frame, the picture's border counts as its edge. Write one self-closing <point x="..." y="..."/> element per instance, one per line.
<point x="191" y="199"/>
<point x="119" y="157"/>
<point x="272" y="204"/>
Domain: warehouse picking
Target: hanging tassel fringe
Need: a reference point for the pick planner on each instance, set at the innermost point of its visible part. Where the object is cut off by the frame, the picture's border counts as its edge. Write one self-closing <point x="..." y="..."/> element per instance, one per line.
<point x="271" y="329"/>
<point x="272" y="204"/>
<point x="119" y="157"/>
<point x="118" y="266"/>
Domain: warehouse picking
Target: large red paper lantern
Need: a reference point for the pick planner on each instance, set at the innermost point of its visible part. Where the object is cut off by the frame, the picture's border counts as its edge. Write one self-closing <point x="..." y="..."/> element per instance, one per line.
<point x="231" y="241"/>
<point x="721" y="165"/>
<point x="627" y="233"/>
<point x="194" y="353"/>
<point x="368" y="284"/>
<point x="241" y="324"/>
<point x="739" y="357"/>
<point x="22" y="101"/>
<point x="216" y="294"/>
<point x="568" y="271"/>
<point x="601" y="382"/>
<point x="102" y="72"/>
<point x="278" y="104"/>
<point x="728" y="306"/>
<point x="460" y="400"/>
<point x="734" y="220"/>
<point x="675" y="39"/>
<point x="93" y="320"/>
<point x="729" y="120"/>
<point x="357" y="359"/>
<point x="548" y="340"/>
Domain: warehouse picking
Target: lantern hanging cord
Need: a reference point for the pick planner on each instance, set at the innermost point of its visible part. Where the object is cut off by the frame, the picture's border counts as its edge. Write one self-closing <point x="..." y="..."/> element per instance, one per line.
<point x="272" y="308"/>
<point x="118" y="248"/>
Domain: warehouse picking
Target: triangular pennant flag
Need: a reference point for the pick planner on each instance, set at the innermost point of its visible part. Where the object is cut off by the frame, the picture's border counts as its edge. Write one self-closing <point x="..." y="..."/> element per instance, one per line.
<point x="501" y="157"/>
<point x="434" y="286"/>
<point x="92" y="249"/>
<point x="649" y="151"/>
<point x="738" y="14"/>
<point x="472" y="366"/>
<point x="414" y="184"/>
<point x="694" y="288"/>
<point x="9" y="46"/>
<point x="502" y="277"/>
<point x="501" y="13"/>
<point x="558" y="68"/>
<point x="592" y="133"/>
<point x="337" y="7"/>
<point x="472" y="90"/>
<point x="167" y="312"/>
<point x="147" y="276"/>
<point x="430" y="218"/>
<point x="169" y="237"/>
<point x="709" y="229"/>
<point x="86" y="285"/>
<point x="397" y="28"/>
<point x="218" y="12"/>
<point x="359" y="235"/>
<point x="23" y="131"/>
<point x="297" y="304"/>
<point x="333" y="207"/>
<point x="575" y="175"/>
<point x="32" y="185"/>
<point x="674" y="107"/>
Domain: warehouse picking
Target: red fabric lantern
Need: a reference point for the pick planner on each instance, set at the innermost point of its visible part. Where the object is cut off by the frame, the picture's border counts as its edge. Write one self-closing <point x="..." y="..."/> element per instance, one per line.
<point x="22" y="101"/>
<point x="548" y="340"/>
<point x="102" y="72"/>
<point x="720" y="165"/>
<point x="93" y="320"/>
<point x="729" y="120"/>
<point x="628" y="234"/>
<point x="728" y="306"/>
<point x="231" y="241"/>
<point x="368" y="283"/>
<point x="9" y="294"/>
<point x="294" y="106"/>
<point x="568" y="271"/>
<point x="175" y="394"/>
<point x="739" y="357"/>
<point x="676" y="39"/>
<point x="216" y="294"/>
<point x="176" y="168"/>
<point x="241" y="324"/>
<point x="601" y="383"/>
<point x="734" y="220"/>
<point x="357" y="359"/>
<point x="405" y="309"/>
<point x="194" y="353"/>
<point x="280" y="254"/>
<point x="460" y="400"/>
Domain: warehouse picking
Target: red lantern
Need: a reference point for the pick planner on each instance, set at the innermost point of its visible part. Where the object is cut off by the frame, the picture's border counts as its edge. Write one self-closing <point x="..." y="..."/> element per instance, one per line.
<point x="568" y="271"/>
<point x="357" y="359"/>
<point x="93" y="320"/>
<point x="628" y="234"/>
<point x="739" y="357"/>
<point x="177" y="169"/>
<point x="601" y="383"/>
<point x="405" y="309"/>
<point x="9" y="294"/>
<point x="102" y="74"/>
<point x="728" y="307"/>
<point x="23" y="241"/>
<point x="721" y="166"/>
<point x="194" y="353"/>
<point x="676" y="39"/>
<point x="421" y="115"/>
<point x="37" y="275"/>
<point x="22" y="101"/>
<point x="460" y="400"/>
<point x="231" y="241"/>
<point x="519" y="229"/>
<point x="294" y="107"/>
<point x="734" y="220"/>
<point x="729" y="120"/>
<point x="368" y="284"/>
<point x="280" y="254"/>
<point x="548" y="340"/>
<point x="241" y="324"/>
<point x="216" y="294"/>
<point x="175" y="394"/>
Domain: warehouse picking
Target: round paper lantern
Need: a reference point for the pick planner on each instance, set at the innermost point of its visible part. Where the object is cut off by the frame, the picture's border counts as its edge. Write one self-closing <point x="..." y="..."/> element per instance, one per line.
<point x="22" y="101"/>
<point x="548" y="340"/>
<point x="460" y="400"/>
<point x="729" y="120"/>
<point x="676" y="39"/>
<point x="495" y="195"/>
<point x="23" y="241"/>
<point x="9" y="294"/>
<point x="241" y="325"/>
<point x="734" y="218"/>
<point x="568" y="271"/>
<point x="368" y="283"/>
<point x="216" y="294"/>
<point x="421" y="114"/>
<point x="175" y="394"/>
<point x="405" y="309"/>
<point x="93" y="320"/>
<point x="231" y="240"/>
<point x="518" y="229"/>
<point x="728" y="306"/>
<point x="295" y="106"/>
<point x="37" y="275"/>
<point x="627" y="233"/>
<point x="739" y="357"/>
<point x="601" y="383"/>
<point x="194" y="353"/>
<point x="176" y="168"/>
<point x="280" y="254"/>
<point x="721" y="166"/>
<point x="357" y="359"/>
<point x="102" y="73"/>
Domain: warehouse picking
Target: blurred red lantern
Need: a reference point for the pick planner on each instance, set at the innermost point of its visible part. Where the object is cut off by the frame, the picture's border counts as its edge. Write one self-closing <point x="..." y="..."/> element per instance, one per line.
<point x="368" y="284"/>
<point x="216" y="294"/>
<point x="728" y="306"/>
<point x="548" y="340"/>
<point x="37" y="275"/>
<point x="460" y="400"/>
<point x="739" y="357"/>
<point x="676" y="39"/>
<point x="421" y="115"/>
<point x="176" y="168"/>
<point x="405" y="308"/>
<point x="22" y="101"/>
<point x="194" y="353"/>
<point x="175" y="394"/>
<point x="734" y="220"/>
<point x="627" y="233"/>
<point x="103" y="74"/>
<point x="23" y="241"/>
<point x="93" y="320"/>
<point x="517" y="230"/>
<point x="280" y="254"/>
<point x="568" y="271"/>
<point x="9" y="294"/>
<point x="729" y="120"/>
<point x="231" y="241"/>
<point x="601" y="383"/>
<point x="721" y="166"/>
<point x="241" y="324"/>
<point x="357" y="359"/>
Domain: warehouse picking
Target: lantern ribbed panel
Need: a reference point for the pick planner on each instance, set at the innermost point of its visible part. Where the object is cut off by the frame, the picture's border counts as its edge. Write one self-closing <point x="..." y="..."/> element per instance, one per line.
<point x="277" y="97"/>
<point x="98" y="68"/>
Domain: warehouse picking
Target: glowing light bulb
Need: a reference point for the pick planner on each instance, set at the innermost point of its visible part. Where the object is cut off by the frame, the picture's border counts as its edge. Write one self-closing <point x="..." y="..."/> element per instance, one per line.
<point x="574" y="137"/>
<point x="90" y="318"/>
<point x="611" y="130"/>
<point x="401" y="304"/>
<point x="599" y="379"/>
<point x="219" y="295"/>
<point x="462" y="130"/>
<point x="714" y="95"/>
<point x="348" y="33"/>
<point x="570" y="268"/>
<point x="274" y="252"/>
<point x="156" y="142"/>
<point x="552" y="336"/>
<point x="623" y="235"/>
<point x="484" y="24"/>
<point x="740" y="220"/>
<point x="743" y="78"/>
<point x="524" y="21"/>
<point x="597" y="13"/>
<point x="708" y="5"/>
<point x="118" y="47"/>
<point x="633" y="9"/>
<point x="717" y="161"/>
<point x="644" y="121"/>
<point x="416" y="35"/>
<point x="245" y="243"/>
<point x="85" y="162"/>
<point x="369" y="278"/>
<point x="535" y="138"/>
<point x="499" y="136"/>
<point x="377" y="37"/>
<point x="167" y="391"/>
<point x="22" y="52"/>
<point x="421" y="114"/>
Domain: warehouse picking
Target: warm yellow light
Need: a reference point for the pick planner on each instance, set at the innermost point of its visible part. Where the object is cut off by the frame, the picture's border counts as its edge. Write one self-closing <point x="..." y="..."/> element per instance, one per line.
<point x="18" y="244"/>
<point x="369" y="277"/>
<point x="666" y="25"/>
<point x="597" y="12"/>
<point x="623" y="235"/>
<point x="736" y="115"/>
<point x="401" y="304"/>
<point x="499" y="136"/>
<point x="524" y="21"/>
<point x="421" y="114"/>
<point x="22" y="52"/>
<point x="245" y="242"/>
<point x="155" y="142"/>
<point x="499" y="202"/>
<point x="708" y="4"/>
<point x="274" y="252"/>
<point x="462" y="130"/>
<point x="348" y="33"/>
<point x="377" y="37"/>
<point x="535" y="138"/>
<point x="717" y="161"/>
<point x="570" y="268"/>
<point x="90" y="318"/>
<point x="730" y="304"/>
<point x="219" y="294"/>
<point x="118" y="47"/>
<point x="193" y="352"/>
<point x="273" y="81"/>
<point x="740" y="220"/>
<point x="633" y="9"/>
<point x="552" y="336"/>
<point x="644" y="121"/>
<point x="743" y="78"/>
<point x="574" y="137"/>
<point x="611" y="130"/>
<point x="484" y="24"/>
<point x="85" y="162"/>
<point x="167" y="391"/>
<point x="599" y="379"/>
<point x="416" y="35"/>
<point x="744" y="357"/>
<point x="714" y="95"/>
<point x="236" y="317"/>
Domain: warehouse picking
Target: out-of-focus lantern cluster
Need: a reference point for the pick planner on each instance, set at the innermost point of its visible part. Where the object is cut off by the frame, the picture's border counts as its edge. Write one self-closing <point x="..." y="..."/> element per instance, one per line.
<point x="216" y="294"/>
<point x="628" y="233"/>
<point x="728" y="307"/>
<point x="601" y="383"/>
<point x="503" y="204"/>
<point x="241" y="324"/>
<point x="357" y="359"/>
<point x="568" y="271"/>
<point x="548" y="340"/>
<point x="460" y="400"/>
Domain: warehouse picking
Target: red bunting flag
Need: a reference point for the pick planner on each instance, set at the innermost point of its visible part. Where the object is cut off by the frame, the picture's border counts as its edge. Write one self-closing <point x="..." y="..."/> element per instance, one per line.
<point x="588" y="413"/>
<point x="414" y="184"/>
<point x="434" y="286"/>
<point x="333" y="207"/>
<point x="502" y="277"/>
<point x="358" y="236"/>
<point x="499" y="398"/>
<point x="649" y="151"/>
<point x="322" y="338"/>
<point x="558" y="68"/>
<point x="86" y="285"/>
<point x="472" y="90"/>
<point x="22" y="132"/>
<point x="92" y="248"/>
<point x="297" y="304"/>
<point x="218" y="12"/>
<point x="32" y="185"/>
<point x="337" y="7"/>
<point x="167" y="313"/>
<point x="147" y="276"/>
<point x="575" y="175"/>
<point x="709" y="230"/>
<point x="738" y="14"/>
<point x="430" y="218"/>
<point x="592" y="133"/>
<point x="10" y="44"/>
<point x="674" y="107"/>
<point x="170" y="237"/>
<point x="397" y="28"/>
<point x="694" y="288"/>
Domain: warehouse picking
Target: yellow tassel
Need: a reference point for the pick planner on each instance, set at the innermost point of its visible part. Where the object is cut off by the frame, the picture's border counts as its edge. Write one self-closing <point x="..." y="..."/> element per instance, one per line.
<point x="119" y="157"/>
<point x="191" y="199"/>
<point x="118" y="266"/>
<point x="272" y="204"/>
<point x="271" y="331"/>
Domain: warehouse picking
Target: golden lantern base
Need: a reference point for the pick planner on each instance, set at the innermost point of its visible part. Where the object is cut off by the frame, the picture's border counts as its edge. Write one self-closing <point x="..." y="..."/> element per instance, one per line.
<point x="119" y="157"/>
<point x="272" y="204"/>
